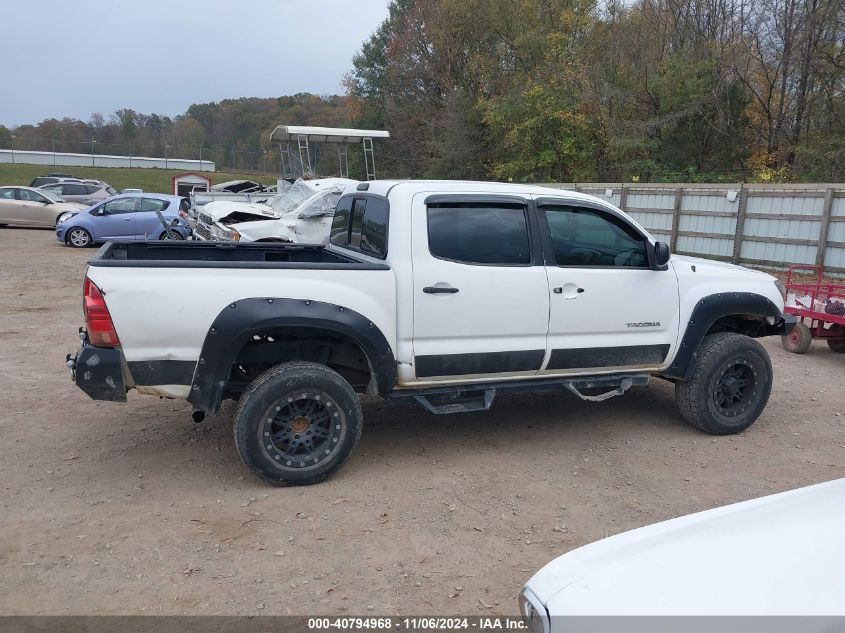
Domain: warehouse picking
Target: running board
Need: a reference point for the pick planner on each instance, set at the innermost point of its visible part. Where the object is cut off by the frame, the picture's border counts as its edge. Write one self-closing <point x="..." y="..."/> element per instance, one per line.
<point x="466" y="398"/>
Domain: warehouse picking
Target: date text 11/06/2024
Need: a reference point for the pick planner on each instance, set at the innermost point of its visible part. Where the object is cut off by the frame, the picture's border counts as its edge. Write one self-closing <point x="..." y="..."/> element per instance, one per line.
<point x="485" y="623"/>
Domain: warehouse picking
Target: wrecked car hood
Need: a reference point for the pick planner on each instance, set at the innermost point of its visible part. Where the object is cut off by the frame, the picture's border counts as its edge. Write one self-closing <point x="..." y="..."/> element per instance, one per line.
<point x="221" y="209"/>
<point x="313" y="230"/>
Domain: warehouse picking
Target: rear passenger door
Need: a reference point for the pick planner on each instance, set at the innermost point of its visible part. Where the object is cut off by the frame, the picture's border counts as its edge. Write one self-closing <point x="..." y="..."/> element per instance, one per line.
<point x="480" y="293"/>
<point x="147" y="224"/>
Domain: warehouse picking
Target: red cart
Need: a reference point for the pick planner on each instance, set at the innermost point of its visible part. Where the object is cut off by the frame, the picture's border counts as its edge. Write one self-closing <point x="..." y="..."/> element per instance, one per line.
<point x="819" y="308"/>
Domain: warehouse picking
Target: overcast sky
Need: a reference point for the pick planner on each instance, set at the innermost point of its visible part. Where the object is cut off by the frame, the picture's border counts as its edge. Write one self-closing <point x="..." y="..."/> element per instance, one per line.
<point x="60" y="58"/>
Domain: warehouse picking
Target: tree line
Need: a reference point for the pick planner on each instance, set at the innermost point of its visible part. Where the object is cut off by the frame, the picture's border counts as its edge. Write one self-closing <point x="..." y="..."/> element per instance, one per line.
<point x="547" y="91"/>
<point x="577" y="90"/>
<point x="234" y="133"/>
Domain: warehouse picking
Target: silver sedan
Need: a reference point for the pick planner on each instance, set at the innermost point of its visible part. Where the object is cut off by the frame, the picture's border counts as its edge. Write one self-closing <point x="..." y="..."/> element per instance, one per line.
<point x="32" y="207"/>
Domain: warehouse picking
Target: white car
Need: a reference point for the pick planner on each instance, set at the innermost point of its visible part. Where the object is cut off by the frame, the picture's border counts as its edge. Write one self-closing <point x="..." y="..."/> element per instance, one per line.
<point x="301" y="214"/>
<point x="778" y="555"/>
<point x="439" y="293"/>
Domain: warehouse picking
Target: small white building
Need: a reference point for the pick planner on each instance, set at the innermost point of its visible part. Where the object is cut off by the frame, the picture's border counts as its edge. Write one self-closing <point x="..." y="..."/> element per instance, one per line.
<point x="184" y="184"/>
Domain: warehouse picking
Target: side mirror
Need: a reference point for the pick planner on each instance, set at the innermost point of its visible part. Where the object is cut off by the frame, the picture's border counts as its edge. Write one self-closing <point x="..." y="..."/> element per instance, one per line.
<point x="661" y="254"/>
<point x="46" y="201"/>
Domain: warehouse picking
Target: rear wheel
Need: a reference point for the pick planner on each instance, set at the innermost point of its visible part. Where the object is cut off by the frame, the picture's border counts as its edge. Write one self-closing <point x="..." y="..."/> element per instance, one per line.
<point x="837" y="345"/>
<point x="297" y="424"/>
<point x="729" y="386"/>
<point x="79" y="238"/>
<point x="798" y="340"/>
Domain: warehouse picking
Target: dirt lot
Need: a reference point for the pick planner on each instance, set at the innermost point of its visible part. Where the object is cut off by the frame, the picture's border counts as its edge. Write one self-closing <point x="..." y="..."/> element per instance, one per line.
<point x="132" y="508"/>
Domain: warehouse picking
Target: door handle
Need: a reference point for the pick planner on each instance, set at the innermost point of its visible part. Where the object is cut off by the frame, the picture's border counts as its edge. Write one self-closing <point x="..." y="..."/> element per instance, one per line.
<point x="440" y="290"/>
<point x="571" y="289"/>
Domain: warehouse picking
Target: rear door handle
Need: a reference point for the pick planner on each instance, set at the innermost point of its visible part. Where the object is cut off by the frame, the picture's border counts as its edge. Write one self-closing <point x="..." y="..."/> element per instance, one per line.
<point x="440" y="290"/>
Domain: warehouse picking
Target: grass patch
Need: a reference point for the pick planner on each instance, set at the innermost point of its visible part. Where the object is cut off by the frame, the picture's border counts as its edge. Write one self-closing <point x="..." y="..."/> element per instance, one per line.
<point x="152" y="180"/>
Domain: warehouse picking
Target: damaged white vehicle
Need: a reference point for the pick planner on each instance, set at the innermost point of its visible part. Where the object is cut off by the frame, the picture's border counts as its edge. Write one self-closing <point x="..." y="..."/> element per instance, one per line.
<point x="302" y="214"/>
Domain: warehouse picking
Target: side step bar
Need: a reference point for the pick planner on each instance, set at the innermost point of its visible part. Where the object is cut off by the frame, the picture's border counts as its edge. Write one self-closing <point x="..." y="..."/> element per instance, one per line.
<point x="465" y="398"/>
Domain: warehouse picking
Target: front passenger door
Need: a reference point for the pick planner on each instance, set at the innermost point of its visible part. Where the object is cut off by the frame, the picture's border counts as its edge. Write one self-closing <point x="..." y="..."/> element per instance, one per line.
<point x="35" y="208"/>
<point x="610" y="311"/>
<point x="115" y="219"/>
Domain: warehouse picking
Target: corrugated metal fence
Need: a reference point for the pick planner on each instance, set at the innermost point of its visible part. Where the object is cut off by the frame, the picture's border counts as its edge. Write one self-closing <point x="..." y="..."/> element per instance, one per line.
<point x="764" y="225"/>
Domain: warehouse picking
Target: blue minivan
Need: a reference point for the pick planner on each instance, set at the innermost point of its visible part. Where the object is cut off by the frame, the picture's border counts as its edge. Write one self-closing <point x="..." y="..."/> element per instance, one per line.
<point x="128" y="216"/>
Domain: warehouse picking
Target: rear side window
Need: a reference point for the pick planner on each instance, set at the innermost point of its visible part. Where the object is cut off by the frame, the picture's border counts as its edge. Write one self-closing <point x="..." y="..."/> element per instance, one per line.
<point x="92" y="188"/>
<point x="479" y="233"/>
<point x="153" y="204"/>
<point x="360" y="223"/>
<point x="74" y="190"/>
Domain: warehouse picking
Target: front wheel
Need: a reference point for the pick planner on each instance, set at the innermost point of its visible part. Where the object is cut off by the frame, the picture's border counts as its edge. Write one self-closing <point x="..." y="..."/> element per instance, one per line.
<point x="171" y="235"/>
<point x="729" y="386"/>
<point x="79" y="238"/>
<point x="297" y="424"/>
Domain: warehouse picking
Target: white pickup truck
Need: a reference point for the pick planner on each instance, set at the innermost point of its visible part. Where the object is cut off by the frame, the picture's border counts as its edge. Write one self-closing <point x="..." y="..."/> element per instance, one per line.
<point x="439" y="293"/>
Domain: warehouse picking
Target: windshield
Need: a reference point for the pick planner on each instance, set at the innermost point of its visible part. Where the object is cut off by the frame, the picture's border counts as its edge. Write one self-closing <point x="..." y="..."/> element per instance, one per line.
<point x="321" y="203"/>
<point x="291" y="198"/>
<point x="51" y="194"/>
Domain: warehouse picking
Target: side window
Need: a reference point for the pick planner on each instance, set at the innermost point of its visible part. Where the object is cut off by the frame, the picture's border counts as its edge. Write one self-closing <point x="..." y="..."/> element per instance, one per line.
<point x="89" y="189"/>
<point x="121" y="205"/>
<point x="361" y="224"/>
<point x="359" y="205"/>
<point x="479" y="233"/>
<point x="75" y="190"/>
<point x="153" y="204"/>
<point x="586" y="237"/>
<point x="7" y="194"/>
<point x="339" y="235"/>
<point x="31" y="196"/>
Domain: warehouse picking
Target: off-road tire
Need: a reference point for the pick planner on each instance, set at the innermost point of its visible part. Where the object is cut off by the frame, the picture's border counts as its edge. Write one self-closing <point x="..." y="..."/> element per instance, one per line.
<point x="798" y="341"/>
<point x="272" y="406"/>
<point x="722" y="357"/>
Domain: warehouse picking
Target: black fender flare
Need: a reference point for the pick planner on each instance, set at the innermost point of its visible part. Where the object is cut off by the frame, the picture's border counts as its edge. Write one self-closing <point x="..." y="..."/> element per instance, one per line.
<point x="237" y="323"/>
<point x="710" y="309"/>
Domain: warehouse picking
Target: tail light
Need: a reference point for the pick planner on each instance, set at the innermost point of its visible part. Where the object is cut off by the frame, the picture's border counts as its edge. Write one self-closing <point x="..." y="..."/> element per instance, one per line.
<point x="97" y="318"/>
<point x="182" y="214"/>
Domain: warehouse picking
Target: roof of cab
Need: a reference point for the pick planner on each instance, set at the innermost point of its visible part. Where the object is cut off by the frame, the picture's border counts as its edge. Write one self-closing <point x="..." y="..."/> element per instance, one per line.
<point x="385" y="187"/>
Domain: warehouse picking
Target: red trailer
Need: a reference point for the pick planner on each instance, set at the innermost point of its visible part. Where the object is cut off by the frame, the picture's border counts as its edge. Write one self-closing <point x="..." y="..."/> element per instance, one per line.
<point x="819" y="308"/>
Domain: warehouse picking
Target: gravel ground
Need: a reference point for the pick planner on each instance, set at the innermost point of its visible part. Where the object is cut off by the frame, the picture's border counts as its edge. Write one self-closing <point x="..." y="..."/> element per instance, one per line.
<point x="131" y="508"/>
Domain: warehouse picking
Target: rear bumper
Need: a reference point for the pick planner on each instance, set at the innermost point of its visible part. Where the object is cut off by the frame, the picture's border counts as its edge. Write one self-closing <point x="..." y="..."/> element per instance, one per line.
<point x="98" y="371"/>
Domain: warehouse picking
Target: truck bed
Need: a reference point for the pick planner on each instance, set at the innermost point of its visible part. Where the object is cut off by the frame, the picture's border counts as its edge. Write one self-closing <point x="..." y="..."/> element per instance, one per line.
<point x="198" y="254"/>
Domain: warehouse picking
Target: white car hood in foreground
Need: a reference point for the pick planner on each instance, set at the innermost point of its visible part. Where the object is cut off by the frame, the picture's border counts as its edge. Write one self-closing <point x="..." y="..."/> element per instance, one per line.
<point x="777" y="555"/>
